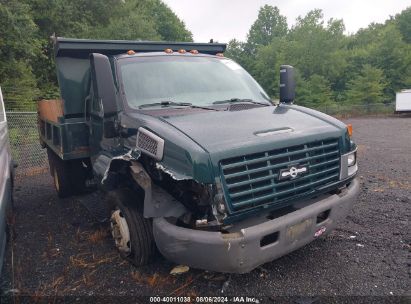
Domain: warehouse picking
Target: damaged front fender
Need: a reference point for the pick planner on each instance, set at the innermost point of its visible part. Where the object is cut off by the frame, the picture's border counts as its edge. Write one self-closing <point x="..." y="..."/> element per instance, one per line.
<point x="157" y="202"/>
<point x="174" y="175"/>
<point x="106" y="164"/>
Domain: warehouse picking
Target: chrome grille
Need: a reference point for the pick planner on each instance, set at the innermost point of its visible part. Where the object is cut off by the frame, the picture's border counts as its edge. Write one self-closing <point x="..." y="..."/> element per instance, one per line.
<point x="252" y="180"/>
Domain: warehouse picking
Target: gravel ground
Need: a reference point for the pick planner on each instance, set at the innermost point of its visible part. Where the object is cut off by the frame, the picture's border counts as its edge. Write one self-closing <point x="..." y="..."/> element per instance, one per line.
<point x="60" y="249"/>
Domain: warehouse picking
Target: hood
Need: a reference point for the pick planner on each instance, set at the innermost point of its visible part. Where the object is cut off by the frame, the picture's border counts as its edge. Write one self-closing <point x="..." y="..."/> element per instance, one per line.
<point x="197" y="140"/>
<point x="255" y="130"/>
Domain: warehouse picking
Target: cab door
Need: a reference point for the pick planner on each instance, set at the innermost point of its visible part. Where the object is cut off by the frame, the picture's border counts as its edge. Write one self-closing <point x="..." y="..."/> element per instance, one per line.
<point x="104" y="109"/>
<point x="96" y="124"/>
<point x="104" y="138"/>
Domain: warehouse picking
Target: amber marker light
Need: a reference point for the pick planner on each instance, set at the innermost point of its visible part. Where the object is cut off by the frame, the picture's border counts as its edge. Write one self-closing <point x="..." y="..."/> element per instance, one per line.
<point x="168" y="51"/>
<point x="130" y="52"/>
<point x="182" y="51"/>
<point x="349" y="128"/>
<point x="194" y="52"/>
<point x="220" y="54"/>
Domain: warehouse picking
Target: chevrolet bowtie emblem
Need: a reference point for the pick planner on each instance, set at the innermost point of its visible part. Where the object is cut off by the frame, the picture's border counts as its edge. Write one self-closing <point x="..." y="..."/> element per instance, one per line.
<point x="292" y="172"/>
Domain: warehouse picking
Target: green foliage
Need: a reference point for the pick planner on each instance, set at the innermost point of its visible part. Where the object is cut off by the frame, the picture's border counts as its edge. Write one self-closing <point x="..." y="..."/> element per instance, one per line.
<point x="314" y="48"/>
<point x="235" y="50"/>
<point x="267" y="66"/>
<point x="404" y="24"/>
<point x="270" y="24"/>
<point x="134" y="24"/>
<point x="367" y="87"/>
<point x="18" y="48"/>
<point x="71" y="18"/>
<point x="19" y="86"/>
<point x="335" y="70"/>
<point x="27" y="71"/>
<point x="142" y="19"/>
<point x="393" y="56"/>
<point x="166" y="22"/>
<point x="314" y="92"/>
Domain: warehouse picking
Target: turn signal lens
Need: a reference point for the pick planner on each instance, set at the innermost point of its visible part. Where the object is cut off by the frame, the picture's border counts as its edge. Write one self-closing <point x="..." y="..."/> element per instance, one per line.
<point x="182" y="51"/>
<point x="349" y="128"/>
<point x="220" y="54"/>
<point x="168" y="51"/>
<point x="194" y="52"/>
<point x="130" y="52"/>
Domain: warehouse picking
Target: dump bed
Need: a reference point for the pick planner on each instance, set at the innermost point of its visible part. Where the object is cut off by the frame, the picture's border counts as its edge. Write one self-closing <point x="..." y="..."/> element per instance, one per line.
<point x="62" y="123"/>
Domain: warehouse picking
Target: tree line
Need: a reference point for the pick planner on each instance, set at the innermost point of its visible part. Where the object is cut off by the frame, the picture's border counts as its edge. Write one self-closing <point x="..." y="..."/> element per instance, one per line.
<point x="332" y="68"/>
<point x="27" y="70"/>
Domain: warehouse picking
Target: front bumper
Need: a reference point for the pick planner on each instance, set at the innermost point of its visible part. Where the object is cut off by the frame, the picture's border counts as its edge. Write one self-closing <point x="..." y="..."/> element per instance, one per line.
<point x="244" y="250"/>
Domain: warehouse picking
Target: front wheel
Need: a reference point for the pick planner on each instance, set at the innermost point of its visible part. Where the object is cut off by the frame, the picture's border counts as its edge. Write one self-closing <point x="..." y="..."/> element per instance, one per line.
<point x="132" y="233"/>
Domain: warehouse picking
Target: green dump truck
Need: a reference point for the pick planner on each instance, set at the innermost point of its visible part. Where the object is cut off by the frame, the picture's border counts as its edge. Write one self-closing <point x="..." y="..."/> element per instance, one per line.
<point x="196" y="161"/>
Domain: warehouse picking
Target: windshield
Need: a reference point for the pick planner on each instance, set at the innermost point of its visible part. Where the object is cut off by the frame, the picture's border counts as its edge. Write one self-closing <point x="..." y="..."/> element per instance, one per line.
<point x="186" y="79"/>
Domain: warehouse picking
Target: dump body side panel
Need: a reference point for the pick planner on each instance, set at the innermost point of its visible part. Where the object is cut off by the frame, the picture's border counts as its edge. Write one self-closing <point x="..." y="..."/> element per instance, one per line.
<point x="73" y="75"/>
<point x="68" y="138"/>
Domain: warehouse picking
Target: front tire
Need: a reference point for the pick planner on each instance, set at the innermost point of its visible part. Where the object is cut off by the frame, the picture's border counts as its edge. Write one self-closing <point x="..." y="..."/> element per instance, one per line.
<point x="132" y="233"/>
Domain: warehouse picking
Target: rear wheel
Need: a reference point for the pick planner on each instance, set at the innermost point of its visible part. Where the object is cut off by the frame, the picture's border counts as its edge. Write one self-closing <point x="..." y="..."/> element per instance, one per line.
<point x="78" y="175"/>
<point x="132" y="233"/>
<point x="69" y="176"/>
<point x="61" y="179"/>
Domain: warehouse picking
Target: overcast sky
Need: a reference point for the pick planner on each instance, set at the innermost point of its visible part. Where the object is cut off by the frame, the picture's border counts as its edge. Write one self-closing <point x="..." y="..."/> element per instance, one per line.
<point x="223" y="20"/>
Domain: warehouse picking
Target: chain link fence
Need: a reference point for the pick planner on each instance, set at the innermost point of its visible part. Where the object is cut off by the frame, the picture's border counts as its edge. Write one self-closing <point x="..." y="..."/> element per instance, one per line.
<point x="25" y="145"/>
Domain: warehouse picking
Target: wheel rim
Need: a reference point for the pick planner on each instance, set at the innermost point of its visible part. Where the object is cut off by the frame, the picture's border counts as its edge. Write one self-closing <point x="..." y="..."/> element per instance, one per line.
<point x="120" y="232"/>
<point x="56" y="180"/>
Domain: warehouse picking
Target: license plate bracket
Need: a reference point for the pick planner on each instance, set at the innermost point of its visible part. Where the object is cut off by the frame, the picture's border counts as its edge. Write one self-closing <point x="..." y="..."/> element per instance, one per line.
<point x="300" y="230"/>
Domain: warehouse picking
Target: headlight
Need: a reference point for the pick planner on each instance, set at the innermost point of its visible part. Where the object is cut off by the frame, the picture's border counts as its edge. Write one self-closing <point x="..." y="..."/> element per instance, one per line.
<point x="352" y="159"/>
<point x="349" y="165"/>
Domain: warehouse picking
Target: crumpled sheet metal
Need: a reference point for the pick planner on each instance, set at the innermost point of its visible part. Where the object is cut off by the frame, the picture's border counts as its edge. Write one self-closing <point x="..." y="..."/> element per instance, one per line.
<point x="173" y="174"/>
<point x="127" y="157"/>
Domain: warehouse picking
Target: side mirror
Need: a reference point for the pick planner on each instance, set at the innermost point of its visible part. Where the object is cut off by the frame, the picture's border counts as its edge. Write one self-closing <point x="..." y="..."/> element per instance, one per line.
<point x="287" y="84"/>
<point x="103" y="83"/>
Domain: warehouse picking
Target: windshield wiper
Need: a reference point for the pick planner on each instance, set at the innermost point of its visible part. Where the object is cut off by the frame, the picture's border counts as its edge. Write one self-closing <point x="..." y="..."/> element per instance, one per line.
<point x="164" y="103"/>
<point x="167" y="103"/>
<point x="234" y="100"/>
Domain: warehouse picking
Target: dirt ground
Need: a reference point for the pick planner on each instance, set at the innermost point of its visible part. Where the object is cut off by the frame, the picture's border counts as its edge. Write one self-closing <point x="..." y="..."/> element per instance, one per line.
<point x="59" y="248"/>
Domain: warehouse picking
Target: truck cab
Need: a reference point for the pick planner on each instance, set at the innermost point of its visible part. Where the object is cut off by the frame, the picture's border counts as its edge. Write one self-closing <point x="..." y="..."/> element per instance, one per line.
<point x="195" y="158"/>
